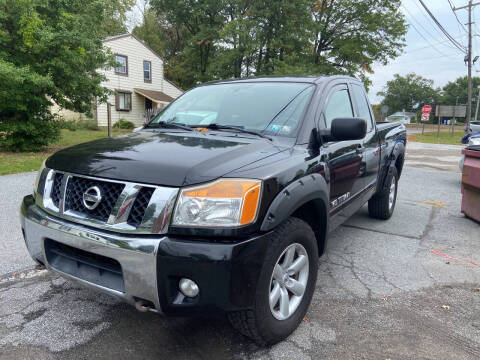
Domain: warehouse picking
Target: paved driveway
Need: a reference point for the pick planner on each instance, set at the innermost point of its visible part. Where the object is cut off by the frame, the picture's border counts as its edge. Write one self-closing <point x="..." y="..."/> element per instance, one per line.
<point x="13" y="254"/>
<point x="401" y="289"/>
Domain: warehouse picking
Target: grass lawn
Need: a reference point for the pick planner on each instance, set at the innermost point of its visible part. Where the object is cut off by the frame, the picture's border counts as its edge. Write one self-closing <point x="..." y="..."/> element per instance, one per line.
<point x="445" y="137"/>
<point x="11" y="163"/>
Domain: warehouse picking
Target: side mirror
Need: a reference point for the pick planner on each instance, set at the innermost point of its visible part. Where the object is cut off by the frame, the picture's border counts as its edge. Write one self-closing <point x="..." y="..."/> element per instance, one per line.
<point x="348" y="129"/>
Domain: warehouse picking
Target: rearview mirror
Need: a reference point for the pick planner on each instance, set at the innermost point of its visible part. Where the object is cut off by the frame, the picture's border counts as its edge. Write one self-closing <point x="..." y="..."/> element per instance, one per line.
<point x="343" y="129"/>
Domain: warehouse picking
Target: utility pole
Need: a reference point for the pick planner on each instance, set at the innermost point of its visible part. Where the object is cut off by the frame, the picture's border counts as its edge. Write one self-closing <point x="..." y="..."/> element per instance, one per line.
<point x="469" y="57"/>
<point x="109" y="119"/>
<point x="478" y="101"/>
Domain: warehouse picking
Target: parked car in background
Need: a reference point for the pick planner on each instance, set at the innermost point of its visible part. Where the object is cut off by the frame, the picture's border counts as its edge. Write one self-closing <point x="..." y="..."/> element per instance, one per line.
<point x="223" y="203"/>
<point x="475" y="126"/>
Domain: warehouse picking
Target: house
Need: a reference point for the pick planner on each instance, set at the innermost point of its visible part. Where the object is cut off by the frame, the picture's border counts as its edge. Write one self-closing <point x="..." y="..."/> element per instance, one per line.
<point x="138" y="83"/>
<point x="402" y="116"/>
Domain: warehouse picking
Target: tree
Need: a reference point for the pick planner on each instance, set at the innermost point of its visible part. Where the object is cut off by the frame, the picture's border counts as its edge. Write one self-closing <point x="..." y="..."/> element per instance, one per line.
<point x="50" y="51"/>
<point x="408" y="93"/>
<point x="115" y="16"/>
<point x="236" y="38"/>
<point x="350" y="35"/>
<point x="458" y="89"/>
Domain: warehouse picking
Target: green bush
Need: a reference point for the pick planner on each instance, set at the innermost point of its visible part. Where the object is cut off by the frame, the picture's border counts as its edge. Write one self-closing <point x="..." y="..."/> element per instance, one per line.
<point x="80" y="124"/>
<point x="28" y="135"/>
<point x="88" y="124"/>
<point x="124" y="124"/>
<point x="67" y="124"/>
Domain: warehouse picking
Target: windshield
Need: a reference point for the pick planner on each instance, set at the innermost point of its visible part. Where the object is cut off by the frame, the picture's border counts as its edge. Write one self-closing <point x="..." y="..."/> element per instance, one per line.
<point x="270" y="108"/>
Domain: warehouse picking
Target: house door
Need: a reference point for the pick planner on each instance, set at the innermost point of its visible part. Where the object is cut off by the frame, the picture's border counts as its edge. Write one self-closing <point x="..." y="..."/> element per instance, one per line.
<point x="148" y="104"/>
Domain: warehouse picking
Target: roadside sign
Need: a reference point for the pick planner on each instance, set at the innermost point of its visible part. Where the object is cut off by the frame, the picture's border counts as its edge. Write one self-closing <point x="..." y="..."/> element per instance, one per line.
<point x="425" y="117"/>
<point x="426" y="109"/>
<point x="458" y="111"/>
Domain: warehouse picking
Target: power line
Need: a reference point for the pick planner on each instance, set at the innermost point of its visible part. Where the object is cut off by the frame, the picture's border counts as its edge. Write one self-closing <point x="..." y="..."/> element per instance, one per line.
<point x="428" y="41"/>
<point x="430" y="21"/>
<point x="412" y="18"/>
<point x="454" y="13"/>
<point x="427" y="46"/>
<point x="450" y="37"/>
<point x="417" y="22"/>
<point x="424" y="38"/>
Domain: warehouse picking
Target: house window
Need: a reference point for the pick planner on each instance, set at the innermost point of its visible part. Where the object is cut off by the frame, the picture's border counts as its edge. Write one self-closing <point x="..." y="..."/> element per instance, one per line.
<point x="122" y="65"/>
<point x="123" y="101"/>
<point x="147" y="71"/>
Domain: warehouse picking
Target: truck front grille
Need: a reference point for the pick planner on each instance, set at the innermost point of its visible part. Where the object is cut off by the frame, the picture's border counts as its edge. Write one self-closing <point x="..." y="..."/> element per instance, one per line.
<point x="112" y="205"/>
<point x="56" y="189"/>
<point x="77" y="186"/>
<point x="139" y="206"/>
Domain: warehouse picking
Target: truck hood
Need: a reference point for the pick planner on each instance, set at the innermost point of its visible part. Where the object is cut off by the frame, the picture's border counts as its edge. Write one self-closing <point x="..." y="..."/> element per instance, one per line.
<point x="169" y="159"/>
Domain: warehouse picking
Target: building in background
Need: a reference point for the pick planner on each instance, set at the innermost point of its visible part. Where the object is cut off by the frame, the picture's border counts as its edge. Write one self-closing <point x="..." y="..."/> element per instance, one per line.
<point x="403" y="116"/>
<point x="138" y="83"/>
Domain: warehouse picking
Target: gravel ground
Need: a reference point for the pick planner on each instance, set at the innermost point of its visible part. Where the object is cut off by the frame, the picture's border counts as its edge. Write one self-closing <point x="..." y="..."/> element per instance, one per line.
<point x="399" y="289"/>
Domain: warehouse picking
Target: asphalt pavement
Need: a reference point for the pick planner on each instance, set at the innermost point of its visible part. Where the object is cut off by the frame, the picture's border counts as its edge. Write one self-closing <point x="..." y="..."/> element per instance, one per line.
<point x="404" y="288"/>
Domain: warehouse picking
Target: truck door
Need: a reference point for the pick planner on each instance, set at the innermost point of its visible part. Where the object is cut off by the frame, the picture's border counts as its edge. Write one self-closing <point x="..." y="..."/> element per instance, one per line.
<point x="370" y="147"/>
<point x="343" y="158"/>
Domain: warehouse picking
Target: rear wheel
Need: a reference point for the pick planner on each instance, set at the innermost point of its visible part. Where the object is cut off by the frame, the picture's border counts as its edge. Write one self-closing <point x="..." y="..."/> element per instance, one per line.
<point x="285" y="286"/>
<point x="382" y="205"/>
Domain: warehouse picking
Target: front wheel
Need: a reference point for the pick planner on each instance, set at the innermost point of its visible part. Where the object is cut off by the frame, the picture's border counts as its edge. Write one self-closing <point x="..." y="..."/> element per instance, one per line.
<point x="381" y="205"/>
<point x="285" y="286"/>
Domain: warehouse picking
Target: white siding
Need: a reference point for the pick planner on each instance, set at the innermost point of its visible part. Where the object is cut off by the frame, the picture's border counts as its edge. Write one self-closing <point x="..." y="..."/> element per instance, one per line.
<point x="171" y="90"/>
<point x="136" y="52"/>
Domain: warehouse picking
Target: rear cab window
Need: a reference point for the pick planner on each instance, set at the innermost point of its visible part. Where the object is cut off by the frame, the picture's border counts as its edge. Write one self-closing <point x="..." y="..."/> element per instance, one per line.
<point x="363" y="106"/>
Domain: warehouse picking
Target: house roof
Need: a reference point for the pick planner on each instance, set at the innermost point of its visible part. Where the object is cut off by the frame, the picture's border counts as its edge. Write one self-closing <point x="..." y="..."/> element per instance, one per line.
<point x="120" y="36"/>
<point x="155" y="96"/>
<point x="113" y="37"/>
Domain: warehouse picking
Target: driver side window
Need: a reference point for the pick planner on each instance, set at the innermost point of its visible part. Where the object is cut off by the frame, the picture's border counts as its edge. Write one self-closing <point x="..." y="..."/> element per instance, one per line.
<point x="339" y="105"/>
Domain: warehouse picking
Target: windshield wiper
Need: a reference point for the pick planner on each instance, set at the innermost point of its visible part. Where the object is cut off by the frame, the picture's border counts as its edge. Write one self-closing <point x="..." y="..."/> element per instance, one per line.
<point x="167" y="124"/>
<point x="231" y="127"/>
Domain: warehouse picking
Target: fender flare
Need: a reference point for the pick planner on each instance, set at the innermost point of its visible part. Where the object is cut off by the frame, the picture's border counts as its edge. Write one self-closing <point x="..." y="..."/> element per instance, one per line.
<point x="397" y="151"/>
<point x="292" y="197"/>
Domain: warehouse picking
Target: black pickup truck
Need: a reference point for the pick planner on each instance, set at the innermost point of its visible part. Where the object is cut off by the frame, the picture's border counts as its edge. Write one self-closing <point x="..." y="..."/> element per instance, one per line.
<point x="222" y="204"/>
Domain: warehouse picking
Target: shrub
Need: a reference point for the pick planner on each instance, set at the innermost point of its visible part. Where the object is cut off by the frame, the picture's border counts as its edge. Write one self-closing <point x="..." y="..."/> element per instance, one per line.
<point x="67" y="124"/>
<point x="124" y="124"/>
<point x="80" y="124"/>
<point x="30" y="135"/>
<point x="90" y="124"/>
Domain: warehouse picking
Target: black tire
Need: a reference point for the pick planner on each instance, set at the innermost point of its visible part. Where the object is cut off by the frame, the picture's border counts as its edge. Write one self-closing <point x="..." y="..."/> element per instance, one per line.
<point x="379" y="205"/>
<point x="259" y="324"/>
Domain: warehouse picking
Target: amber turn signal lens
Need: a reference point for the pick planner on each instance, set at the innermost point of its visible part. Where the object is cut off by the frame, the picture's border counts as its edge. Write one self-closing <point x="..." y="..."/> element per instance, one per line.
<point x="250" y="204"/>
<point x="223" y="189"/>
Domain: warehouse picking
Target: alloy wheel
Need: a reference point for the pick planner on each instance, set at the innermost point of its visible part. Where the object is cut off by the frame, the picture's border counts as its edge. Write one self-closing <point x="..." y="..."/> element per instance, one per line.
<point x="289" y="281"/>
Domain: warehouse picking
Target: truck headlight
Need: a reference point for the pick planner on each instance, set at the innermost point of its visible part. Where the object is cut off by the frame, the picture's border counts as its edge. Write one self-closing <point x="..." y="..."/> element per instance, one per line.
<point x="222" y="203"/>
<point x="39" y="175"/>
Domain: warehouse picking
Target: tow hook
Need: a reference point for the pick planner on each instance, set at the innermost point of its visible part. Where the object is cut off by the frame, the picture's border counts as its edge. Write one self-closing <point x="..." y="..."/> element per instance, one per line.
<point x="145" y="305"/>
<point x="141" y="306"/>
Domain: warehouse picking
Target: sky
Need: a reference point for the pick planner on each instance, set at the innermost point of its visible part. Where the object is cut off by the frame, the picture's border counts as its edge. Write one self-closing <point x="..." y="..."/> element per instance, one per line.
<point x="430" y="54"/>
<point x="427" y="53"/>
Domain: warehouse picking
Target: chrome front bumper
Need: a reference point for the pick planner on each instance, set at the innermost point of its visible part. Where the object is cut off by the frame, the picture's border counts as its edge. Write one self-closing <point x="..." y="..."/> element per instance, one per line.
<point x="137" y="254"/>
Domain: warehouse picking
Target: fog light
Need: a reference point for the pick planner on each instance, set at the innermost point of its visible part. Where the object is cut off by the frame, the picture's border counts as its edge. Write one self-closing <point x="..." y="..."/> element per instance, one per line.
<point x="188" y="287"/>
